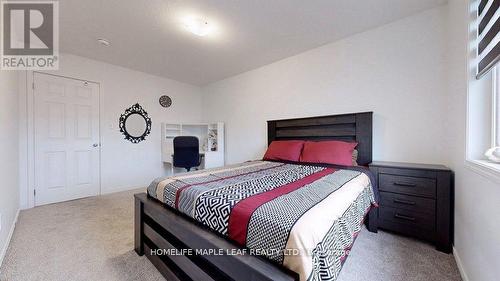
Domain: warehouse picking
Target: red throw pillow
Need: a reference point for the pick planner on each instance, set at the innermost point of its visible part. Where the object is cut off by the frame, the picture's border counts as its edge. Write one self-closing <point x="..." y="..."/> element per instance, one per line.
<point x="328" y="152"/>
<point x="284" y="150"/>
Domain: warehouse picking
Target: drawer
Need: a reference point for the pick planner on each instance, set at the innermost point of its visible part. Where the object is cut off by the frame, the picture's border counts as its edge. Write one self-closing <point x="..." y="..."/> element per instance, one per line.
<point x="408" y="202"/>
<point x="407" y="185"/>
<point x="406" y="218"/>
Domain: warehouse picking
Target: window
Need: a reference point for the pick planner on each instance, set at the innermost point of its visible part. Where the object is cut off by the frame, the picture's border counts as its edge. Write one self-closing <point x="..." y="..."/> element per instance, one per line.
<point x="483" y="95"/>
<point x="483" y="122"/>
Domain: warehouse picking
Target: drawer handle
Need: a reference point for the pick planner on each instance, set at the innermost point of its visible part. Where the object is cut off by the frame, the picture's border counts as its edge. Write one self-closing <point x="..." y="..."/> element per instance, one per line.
<point x="412" y="203"/>
<point x="403" y="217"/>
<point x="405" y="184"/>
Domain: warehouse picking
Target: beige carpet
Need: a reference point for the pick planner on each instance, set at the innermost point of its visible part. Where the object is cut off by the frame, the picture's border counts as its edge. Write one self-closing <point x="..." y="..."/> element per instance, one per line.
<point x="92" y="239"/>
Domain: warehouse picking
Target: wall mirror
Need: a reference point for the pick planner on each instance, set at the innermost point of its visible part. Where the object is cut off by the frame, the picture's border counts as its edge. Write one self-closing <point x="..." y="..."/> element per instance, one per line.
<point x="135" y="124"/>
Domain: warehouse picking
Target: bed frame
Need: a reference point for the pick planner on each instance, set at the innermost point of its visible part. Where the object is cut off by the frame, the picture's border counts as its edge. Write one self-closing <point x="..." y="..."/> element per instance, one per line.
<point x="159" y="228"/>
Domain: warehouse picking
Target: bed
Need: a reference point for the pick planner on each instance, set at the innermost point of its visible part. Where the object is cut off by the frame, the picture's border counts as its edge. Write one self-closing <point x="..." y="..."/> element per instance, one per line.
<point x="262" y="220"/>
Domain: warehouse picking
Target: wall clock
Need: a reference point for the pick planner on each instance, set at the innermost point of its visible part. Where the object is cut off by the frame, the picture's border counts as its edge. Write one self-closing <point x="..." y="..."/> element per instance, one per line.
<point x="165" y="101"/>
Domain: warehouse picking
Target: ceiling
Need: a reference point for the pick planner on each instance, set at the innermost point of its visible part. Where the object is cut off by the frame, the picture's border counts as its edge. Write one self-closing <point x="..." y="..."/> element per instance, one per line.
<point x="148" y="35"/>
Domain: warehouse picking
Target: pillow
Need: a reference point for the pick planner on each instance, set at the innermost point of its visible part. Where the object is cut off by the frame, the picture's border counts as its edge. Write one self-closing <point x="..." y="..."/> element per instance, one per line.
<point x="328" y="152"/>
<point x="284" y="150"/>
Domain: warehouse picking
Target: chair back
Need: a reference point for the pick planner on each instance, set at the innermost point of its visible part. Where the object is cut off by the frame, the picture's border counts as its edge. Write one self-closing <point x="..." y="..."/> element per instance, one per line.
<point x="186" y="152"/>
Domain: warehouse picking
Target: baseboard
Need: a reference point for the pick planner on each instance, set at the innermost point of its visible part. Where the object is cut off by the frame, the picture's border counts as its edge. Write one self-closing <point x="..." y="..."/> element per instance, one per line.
<point x="460" y="265"/>
<point x="9" y="237"/>
<point x="121" y="189"/>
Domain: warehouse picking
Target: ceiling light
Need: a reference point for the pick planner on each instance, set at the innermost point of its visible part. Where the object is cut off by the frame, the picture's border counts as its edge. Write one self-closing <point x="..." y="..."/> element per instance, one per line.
<point x="197" y="26"/>
<point x="103" y="42"/>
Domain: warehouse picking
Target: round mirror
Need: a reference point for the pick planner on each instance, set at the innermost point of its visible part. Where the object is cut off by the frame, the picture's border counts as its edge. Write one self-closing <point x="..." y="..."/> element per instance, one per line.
<point x="135" y="124"/>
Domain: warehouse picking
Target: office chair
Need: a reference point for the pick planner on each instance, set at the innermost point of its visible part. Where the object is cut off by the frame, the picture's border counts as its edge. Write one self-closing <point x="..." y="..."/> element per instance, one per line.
<point x="186" y="152"/>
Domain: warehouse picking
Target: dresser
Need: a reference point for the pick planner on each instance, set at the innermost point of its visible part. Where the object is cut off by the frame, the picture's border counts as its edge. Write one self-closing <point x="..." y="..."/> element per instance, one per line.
<point x="416" y="200"/>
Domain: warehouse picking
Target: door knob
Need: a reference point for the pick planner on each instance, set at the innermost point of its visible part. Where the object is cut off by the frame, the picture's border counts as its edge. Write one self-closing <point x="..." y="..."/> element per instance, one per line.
<point x="95" y="145"/>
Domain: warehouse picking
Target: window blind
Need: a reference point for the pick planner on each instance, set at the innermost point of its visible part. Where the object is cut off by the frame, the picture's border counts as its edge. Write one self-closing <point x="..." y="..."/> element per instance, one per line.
<point x="489" y="26"/>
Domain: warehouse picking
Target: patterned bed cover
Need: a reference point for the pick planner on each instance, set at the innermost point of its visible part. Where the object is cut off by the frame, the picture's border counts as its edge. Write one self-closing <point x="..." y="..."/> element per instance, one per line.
<point x="301" y="216"/>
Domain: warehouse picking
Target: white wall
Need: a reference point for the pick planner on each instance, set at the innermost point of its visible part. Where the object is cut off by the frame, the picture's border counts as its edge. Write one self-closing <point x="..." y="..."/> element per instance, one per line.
<point x="477" y="196"/>
<point x="396" y="70"/>
<point x="125" y="165"/>
<point x="9" y="155"/>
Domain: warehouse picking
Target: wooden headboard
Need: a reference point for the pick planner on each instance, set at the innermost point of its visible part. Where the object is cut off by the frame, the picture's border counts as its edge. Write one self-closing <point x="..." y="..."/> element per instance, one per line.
<point x="347" y="127"/>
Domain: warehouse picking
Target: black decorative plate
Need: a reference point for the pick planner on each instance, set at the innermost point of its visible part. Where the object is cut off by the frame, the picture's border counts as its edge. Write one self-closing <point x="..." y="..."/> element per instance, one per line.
<point x="165" y="101"/>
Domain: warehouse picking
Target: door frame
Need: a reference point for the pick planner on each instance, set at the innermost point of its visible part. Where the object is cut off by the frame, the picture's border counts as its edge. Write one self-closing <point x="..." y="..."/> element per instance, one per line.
<point x="30" y="110"/>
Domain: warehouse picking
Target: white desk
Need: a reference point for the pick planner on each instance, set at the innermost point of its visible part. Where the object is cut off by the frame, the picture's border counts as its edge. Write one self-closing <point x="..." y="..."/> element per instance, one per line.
<point x="210" y="135"/>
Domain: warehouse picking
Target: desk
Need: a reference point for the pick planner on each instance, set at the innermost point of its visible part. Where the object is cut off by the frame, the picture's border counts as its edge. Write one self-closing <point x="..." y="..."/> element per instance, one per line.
<point x="210" y="135"/>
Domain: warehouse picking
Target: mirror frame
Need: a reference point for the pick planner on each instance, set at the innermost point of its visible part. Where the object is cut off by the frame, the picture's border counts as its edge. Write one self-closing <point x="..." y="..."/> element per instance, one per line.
<point x="135" y="109"/>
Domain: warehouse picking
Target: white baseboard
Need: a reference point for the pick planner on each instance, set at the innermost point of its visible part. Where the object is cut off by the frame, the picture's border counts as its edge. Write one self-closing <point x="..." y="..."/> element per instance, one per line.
<point x="9" y="237"/>
<point x="121" y="189"/>
<point x="460" y="265"/>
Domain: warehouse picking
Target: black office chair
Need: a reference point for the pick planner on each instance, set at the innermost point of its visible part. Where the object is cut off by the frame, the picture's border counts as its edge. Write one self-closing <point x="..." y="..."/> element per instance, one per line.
<point x="186" y="152"/>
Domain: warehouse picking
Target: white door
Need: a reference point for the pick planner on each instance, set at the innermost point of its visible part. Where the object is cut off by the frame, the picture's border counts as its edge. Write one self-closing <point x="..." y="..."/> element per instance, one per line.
<point x="66" y="138"/>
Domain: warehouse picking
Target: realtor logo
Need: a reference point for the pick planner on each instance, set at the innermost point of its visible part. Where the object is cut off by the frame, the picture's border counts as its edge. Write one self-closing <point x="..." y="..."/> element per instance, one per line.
<point x="30" y="35"/>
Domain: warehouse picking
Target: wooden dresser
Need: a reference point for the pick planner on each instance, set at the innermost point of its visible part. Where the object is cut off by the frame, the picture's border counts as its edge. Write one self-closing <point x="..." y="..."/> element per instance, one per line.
<point x="416" y="200"/>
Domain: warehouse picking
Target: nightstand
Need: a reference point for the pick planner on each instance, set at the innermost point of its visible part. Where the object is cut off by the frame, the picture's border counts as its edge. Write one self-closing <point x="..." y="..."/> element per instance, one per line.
<point x="416" y="200"/>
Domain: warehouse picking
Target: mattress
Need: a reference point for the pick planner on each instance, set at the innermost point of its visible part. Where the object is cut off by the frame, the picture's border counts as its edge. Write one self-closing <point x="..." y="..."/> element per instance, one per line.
<point x="303" y="217"/>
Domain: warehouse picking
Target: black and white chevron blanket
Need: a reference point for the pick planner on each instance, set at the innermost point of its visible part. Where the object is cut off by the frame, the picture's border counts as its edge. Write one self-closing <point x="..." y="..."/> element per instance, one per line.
<point x="301" y="216"/>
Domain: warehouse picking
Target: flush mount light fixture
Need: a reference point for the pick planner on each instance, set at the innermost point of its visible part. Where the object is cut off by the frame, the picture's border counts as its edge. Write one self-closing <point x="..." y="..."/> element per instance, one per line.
<point x="103" y="42"/>
<point x="197" y="26"/>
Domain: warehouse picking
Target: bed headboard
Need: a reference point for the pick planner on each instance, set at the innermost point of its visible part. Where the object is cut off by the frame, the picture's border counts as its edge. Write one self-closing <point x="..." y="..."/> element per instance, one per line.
<point x="346" y="127"/>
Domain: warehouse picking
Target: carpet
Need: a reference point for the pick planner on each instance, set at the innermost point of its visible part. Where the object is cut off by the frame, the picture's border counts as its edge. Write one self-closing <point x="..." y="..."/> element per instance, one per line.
<point x="92" y="239"/>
